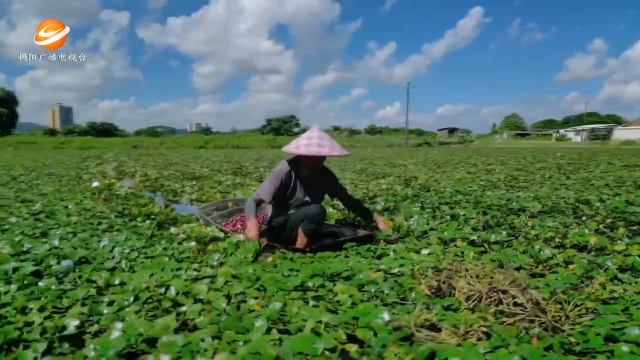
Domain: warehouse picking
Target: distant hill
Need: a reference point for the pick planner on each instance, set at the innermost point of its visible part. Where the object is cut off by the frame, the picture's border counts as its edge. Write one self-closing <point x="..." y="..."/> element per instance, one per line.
<point x="181" y="131"/>
<point x="24" y="127"/>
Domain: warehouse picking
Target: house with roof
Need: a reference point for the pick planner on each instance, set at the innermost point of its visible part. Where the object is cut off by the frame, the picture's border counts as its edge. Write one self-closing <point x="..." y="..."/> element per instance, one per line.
<point x="595" y="132"/>
<point x="628" y="131"/>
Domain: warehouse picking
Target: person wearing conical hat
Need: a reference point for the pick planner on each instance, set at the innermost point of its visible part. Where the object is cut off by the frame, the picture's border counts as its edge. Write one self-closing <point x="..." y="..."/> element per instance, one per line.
<point x="296" y="188"/>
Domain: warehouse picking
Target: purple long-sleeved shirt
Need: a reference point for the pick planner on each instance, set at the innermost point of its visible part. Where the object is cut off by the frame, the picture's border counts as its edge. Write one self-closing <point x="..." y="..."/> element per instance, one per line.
<point x="286" y="188"/>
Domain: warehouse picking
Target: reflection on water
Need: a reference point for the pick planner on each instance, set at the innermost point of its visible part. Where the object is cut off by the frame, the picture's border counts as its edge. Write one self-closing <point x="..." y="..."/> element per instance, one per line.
<point x="181" y="208"/>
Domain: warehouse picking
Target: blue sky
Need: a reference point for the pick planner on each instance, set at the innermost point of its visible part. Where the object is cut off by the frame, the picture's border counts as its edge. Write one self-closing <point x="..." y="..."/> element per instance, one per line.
<point x="234" y="63"/>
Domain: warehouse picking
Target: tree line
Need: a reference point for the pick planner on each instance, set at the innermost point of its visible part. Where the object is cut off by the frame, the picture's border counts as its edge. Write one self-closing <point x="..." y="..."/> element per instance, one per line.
<point x="515" y="122"/>
<point x="287" y="125"/>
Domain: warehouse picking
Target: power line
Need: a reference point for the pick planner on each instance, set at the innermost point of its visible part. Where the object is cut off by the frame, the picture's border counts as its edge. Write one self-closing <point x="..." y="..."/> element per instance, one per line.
<point x="406" y="119"/>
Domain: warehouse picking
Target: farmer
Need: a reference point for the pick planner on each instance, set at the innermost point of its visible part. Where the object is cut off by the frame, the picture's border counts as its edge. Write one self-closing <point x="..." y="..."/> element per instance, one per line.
<point x="295" y="190"/>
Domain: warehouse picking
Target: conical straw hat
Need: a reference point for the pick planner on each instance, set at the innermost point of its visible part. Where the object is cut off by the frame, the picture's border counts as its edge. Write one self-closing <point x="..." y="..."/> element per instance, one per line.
<point x="315" y="142"/>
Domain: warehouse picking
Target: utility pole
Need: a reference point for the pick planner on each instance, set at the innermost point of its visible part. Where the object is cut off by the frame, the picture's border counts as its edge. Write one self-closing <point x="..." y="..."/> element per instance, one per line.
<point x="406" y="119"/>
<point x="584" y="120"/>
<point x="584" y="115"/>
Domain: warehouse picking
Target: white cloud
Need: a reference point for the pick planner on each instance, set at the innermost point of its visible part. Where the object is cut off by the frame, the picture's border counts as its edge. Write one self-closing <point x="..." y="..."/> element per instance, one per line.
<point x="354" y="94"/>
<point x="4" y="82"/>
<point x="231" y="38"/>
<point x="529" y="33"/>
<point x="368" y="104"/>
<point x="453" y="110"/>
<point x="514" y="29"/>
<point x="389" y="112"/>
<point x="388" y="4"/>
<point x="598" y="45"/>
<point x="584" y="66"/>
<point x="379" y="65"/>
<point x="623" y="82"/>
<point x="622" y="74"/>
<point x="579" y="67"/>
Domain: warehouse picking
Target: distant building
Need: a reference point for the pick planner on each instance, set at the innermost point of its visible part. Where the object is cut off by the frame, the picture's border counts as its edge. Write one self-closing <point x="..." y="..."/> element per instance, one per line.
<point x="628" y="131"/>
<point x="452" y="132"/>
<point x="595" y="132"/>
<point x="193" y="127"/>
<point x="60" y="116"/>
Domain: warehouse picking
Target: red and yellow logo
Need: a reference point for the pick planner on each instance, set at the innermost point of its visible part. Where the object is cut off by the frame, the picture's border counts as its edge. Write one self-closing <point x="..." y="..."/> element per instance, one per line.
<point x="51" y="34"/>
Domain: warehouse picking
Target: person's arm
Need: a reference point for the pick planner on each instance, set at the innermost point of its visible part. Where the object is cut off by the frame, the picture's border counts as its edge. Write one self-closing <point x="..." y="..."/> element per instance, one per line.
<point x="336" y="190"/>
<point x="265" y="192"/>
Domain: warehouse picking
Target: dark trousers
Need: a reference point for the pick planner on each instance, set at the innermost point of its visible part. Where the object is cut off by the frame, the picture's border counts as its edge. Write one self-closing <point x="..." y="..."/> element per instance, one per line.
<point x="283" y="230"/>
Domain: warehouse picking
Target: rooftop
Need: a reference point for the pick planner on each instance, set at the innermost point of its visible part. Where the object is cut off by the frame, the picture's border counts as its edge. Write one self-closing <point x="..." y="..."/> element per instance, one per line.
<point x="633" y="123"/>
<point x="594" y="126"/>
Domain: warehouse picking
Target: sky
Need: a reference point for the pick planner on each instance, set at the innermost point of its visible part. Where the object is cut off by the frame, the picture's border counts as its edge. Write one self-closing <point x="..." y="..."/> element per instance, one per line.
<point x="234" y="63"/>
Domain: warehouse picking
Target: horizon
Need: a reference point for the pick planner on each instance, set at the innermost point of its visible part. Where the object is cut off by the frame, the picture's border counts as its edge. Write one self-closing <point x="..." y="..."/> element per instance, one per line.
<point x="329" y="62"/>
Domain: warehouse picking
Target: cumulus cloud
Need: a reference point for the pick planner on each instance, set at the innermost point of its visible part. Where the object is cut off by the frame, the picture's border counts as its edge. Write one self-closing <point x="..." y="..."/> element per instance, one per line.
<point x="622" y="74"/>
<point x="368" y="104"/>
<point x="354" y="94"/>
<point x="231" y="38"/>
<point x="379" y="65"/>
<point x="623" y="83"/>
<point x="584" y="66"/>
<point x="598" y="45"/>
<point x="388" y="112"/>
<point x="529" y="33"/>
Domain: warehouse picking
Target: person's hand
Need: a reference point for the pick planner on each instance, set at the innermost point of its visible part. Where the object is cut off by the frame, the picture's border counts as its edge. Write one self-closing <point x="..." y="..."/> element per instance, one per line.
<point x="382" y="224"/>
<point x="253" y="230"/>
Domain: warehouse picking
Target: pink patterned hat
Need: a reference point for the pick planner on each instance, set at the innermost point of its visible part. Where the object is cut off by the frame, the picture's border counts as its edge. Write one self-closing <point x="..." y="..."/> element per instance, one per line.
<point x="315" y="142"/>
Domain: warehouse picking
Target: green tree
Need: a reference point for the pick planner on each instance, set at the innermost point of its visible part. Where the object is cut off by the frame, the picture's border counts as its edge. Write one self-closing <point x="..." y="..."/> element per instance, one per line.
<point x="547" y="124"/>
<point x="75" y="130"/>
<point x="336" y="128"/>
<point x="9" y="115"/>
<point x="303" y="130"/>
<point x="513" y="122"/>
<point x="494" y="129"/>
<point x="102" y="129"/>
<point x="287" y="125"/>
<point x="613" y="119"/>
<point x="155" y="131"/>
<point x="351" y="132"/>
<point x="372" y="130"/>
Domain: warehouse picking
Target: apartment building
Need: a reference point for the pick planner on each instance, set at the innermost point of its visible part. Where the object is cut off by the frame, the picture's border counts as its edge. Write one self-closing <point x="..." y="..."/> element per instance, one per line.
<point x="60" y="116"/>
<point x="194" y="127"/>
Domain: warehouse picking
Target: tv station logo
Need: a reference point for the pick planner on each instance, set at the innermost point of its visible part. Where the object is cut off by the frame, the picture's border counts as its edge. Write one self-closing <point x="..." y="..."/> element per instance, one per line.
<point x="51" y="35"/>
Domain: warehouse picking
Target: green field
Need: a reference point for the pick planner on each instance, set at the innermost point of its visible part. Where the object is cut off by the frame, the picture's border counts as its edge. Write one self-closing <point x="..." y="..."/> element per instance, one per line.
<point x="257" y="141"/>
<point x="496" y="253"/>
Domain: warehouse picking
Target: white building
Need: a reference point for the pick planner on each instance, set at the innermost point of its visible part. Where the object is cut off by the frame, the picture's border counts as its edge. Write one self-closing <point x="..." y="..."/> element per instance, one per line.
<point x="589" y="132"/>
<point x="628" y="131"/>
<point x="194" y="127"/>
